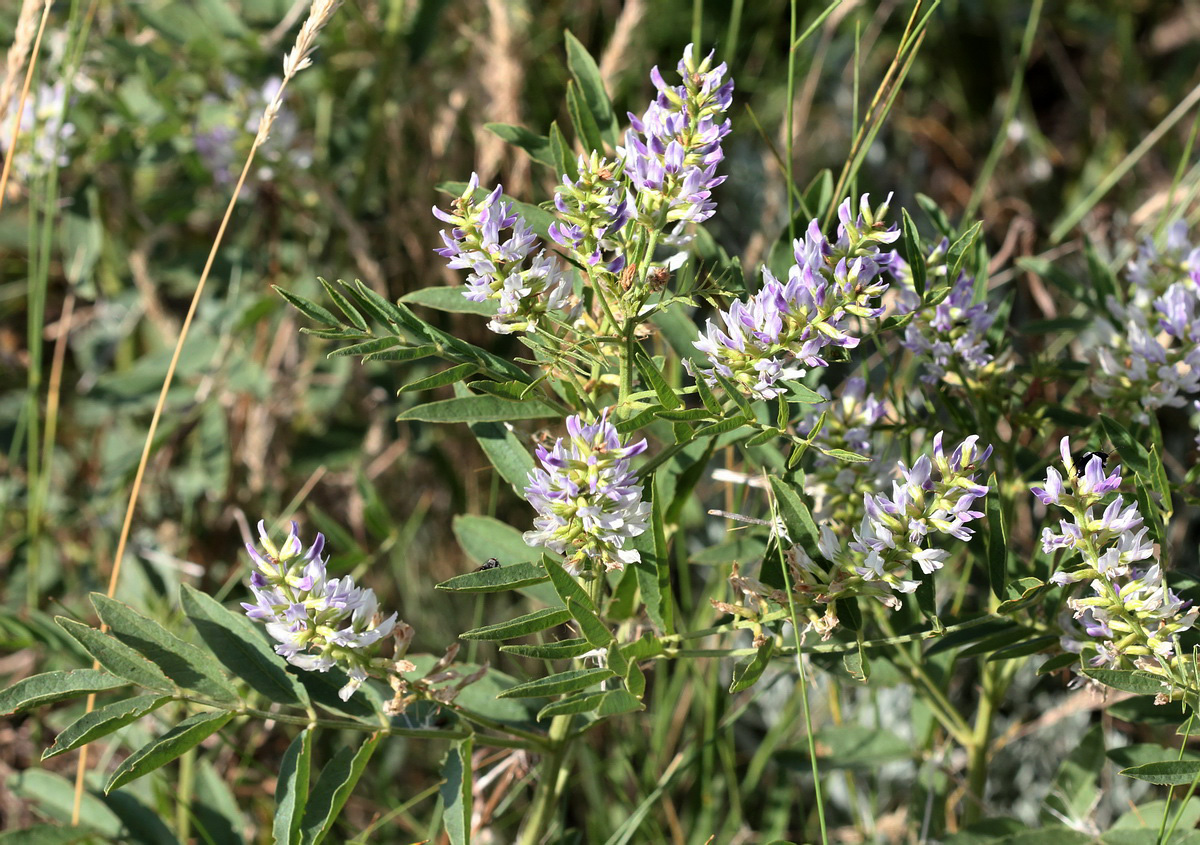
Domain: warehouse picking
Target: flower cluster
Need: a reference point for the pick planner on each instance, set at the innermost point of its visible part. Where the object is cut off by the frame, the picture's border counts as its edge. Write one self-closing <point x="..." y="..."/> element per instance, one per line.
<point x="492" y="241"/>
<point x="43" y="133"/>
<point x="588" y="500"/>
<point x="835" y="485"/>
<point x="592" y="211"/>
<point x="786" y="327"/>
<point x="1149" y="352"/>
<point x="319" y="622"/>
<point x="226" y="120"/>
<point x="672" y="150"/>
<point x="1130" y="614"/>
<point x="935" y="496"/>
<point x="952" y="332"/>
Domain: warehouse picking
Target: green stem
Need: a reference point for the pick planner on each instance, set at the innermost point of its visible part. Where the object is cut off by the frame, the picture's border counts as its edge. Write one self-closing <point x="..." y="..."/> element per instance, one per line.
<point x="553" y="776"/>
<point x="994" y="682"/>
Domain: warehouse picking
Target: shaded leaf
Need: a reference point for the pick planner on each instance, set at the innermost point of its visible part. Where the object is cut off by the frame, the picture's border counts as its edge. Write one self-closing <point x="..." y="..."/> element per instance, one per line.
<point x="158" y="752"/>
<point x="102" y="721"/>
<point x="50" y="687"/>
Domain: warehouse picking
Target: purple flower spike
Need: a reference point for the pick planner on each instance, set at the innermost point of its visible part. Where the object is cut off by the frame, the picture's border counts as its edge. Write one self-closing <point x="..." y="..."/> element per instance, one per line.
<point x="588" y="499"/>
<point x="318" y="622"/>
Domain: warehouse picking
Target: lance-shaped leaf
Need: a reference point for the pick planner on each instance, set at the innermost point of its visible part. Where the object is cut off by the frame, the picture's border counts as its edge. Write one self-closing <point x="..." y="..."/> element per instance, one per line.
<point x="497" y="579"/>
<point x="1128" y="680"/>
<point x="447" y="376"/>
<point x="746" y="674"/>
<point x="50" y="687"/>
<point x="456" y="793"/>
<point x="117" y="657"/>
<point x="483" y="537"/>
<point x="566" y="585"/>
<point x="102" y="721"/>
<point x="530" y="623"/>
<point x="506" y="452"/>
<point x="538" y="146"/>
<point x="291" y="789"/>
<point x="189" y="667"/>
<point x="561" y="650"/>
<point x="1165" y="772"/>
<point x="591" y="86"/>
<point x="334" y="785"/>
<point x="158" y="752"/>
<point x="476" y="409"/>
<point x="239" y="645"/>
<point x="558" y="684"/>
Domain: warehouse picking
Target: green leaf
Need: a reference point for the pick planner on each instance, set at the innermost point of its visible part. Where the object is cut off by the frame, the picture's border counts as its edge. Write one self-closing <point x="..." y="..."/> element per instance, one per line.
<point x="747" y="673"/>
<point x="450" y="299"/>
<point x="446" y="376"/>
<point x="496" y="580"/>
<point x="957" y="253"/>
<point x="1128" y="680"/>
<point x="1166" y="772"/>
<point x="913" y="252"/>
<point x="238" y="644"/>
<point x="564" y="682"/>
<point x="291" y="789"/>
<point x="844" y="456"/>
<point x="158" y="752"/>
<point x="591" y="86"/>
<point x="587" y="132"/>
<point x="581" y="702"/>
<point x="484" y="537"/>
<point x="334" y="785"/>
<point x="50" y="687"/>
<point x="367" y="347"/>
<point x="403" y="353"/>
<point x="654" y="576"/>
<point x="795" y="515"/>
<point x="343" y="304"/>
<point x="507" y="453"/>
<point x="530" y="623"/>
<point x="683" y="414"/>
<point x="593" y="629"/>
<point x="560" y="150"/>
<point x="537" y="146"/>
<point x="117" y="657"/>
<point x="476" y="409"/>
<point x="856" y="664"/>
<point x="309" y="309"/>
<point x="803" y="394"/>
<point x="654" y="377"/>
<point x="708" y="398"/>
<point x="1021" y="593"/>
<point x="189" y="667"/>
<point x="102" y="721"/>
<point x="566" y="585"/>
<point x="997" y="540"/>
<point x="1058" y="661"/>
<point x="456" y="792"/>
<point x="561" y="650"/>
<point x="54" y="796"/>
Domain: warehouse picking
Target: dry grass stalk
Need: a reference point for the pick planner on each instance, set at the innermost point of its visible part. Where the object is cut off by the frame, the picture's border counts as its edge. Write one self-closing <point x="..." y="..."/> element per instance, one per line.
<point x="33" y="54"/>
<point x="295" y="61"/>
<point x="19" y="51"/>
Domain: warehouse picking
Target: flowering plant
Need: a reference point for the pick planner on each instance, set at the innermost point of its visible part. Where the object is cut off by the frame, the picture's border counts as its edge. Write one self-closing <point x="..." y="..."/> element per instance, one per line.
<point x="846" y="435"/>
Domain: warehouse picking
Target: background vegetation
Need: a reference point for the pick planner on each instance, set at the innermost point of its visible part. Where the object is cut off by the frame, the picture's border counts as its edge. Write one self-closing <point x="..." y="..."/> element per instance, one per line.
<point x="101" y="247"/>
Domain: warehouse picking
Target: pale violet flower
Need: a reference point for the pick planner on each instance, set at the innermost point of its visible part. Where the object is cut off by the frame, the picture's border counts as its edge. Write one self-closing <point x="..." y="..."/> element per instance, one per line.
<point x="786" y="327"/>
<point x="588" y="499"/>
<point x="492" y="241"/>
<point x="318" y="622"/>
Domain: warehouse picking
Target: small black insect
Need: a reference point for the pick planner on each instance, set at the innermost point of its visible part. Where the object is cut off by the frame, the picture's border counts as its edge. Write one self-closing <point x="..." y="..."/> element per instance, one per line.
<point x="1081" y="459"/>
<point x="492" y="563"/>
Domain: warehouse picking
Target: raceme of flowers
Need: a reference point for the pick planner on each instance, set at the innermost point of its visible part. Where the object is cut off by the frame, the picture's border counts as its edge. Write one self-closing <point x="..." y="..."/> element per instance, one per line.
<point x="672" y="150"/>
<point x="492" y="241"/>
<point x="44" y="135"/>
<point x="837" y="486"/>
<point x="592" y="212"/>
<point x="1130" y="615"/>
<point x="1149" y="352"/>
<point x="319" y="622"/>
<point x="785" y="327"/>
<point x="950" y="334"/>
<point x="935" y="496"/>
<point x="588" y="499"/>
